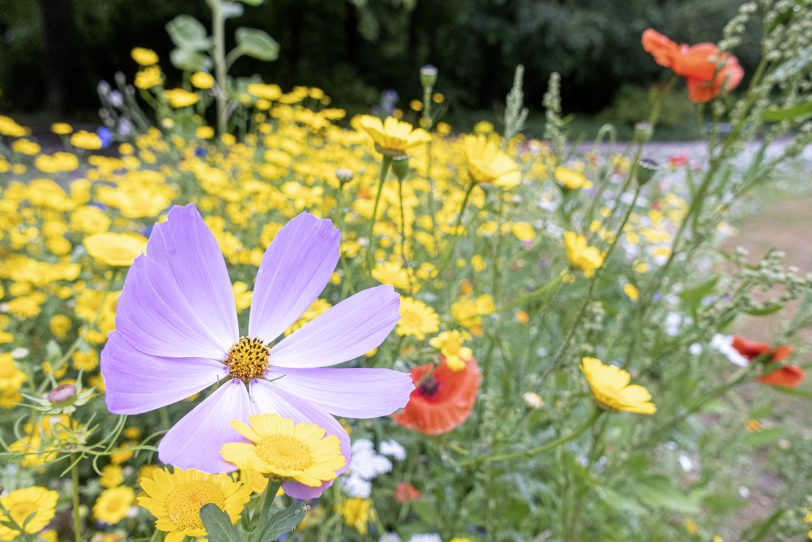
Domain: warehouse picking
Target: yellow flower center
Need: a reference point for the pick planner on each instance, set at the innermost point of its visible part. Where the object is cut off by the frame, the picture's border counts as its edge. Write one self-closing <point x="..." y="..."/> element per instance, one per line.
<point x="285" y="452"/>
<point x="411" y="318"/>
<point x="185" y="500"/>
<point x="248" y="358"/>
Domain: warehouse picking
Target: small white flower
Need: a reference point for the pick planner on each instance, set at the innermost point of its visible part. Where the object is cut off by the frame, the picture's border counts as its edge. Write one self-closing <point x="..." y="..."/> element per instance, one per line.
<point x="686" y="463"/>
<point x="355" y="486"/>
<point x="695" y="349"/>
<point x="724" y="345"/>
<point x="426" y="538"/>
<point x="393" y="448"/>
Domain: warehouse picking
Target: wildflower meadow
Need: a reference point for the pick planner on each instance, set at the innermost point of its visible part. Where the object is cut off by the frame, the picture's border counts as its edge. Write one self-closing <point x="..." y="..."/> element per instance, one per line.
<point x="234" y="311"/>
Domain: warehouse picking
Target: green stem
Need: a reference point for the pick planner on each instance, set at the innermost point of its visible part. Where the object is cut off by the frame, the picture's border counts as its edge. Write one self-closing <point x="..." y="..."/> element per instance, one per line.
<point x="219" y="57"/>
<point x="538" y="449"/>
<point x="402" y="223"/>
<point x="386" y="161"/>
<point x="588" y="297"/>
<point x="464" y="204"/>
<point x="77" y="520"/>
<point x="266" y="504"/>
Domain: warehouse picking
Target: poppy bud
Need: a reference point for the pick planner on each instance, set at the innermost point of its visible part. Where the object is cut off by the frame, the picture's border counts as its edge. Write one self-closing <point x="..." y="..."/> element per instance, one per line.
<point x="400" y="166"/>
<point x="646" y="169"/>
<point x="428" y="76"/>
<point x="344" y="175"/>
<point x="642" y="132"/>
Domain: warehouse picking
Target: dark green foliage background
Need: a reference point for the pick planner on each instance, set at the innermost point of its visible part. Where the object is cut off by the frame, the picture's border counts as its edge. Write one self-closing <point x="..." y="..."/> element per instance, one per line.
<point x="355" y="48"/>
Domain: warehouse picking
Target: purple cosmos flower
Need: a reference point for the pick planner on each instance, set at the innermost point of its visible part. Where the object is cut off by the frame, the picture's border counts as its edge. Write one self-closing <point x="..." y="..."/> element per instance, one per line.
<point x="177" y="334"/>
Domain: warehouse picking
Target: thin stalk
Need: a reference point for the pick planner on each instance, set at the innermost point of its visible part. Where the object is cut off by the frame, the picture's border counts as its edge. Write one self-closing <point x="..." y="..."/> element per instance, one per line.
<point x="77" y="520"/>
<point x="386" y="161"/>
<point x="402" y="223"/>
<point x="266" y="504"/>
<point x="219" y="57"/>
<point x="538" y="449"/>
<point x="588" y="297"/>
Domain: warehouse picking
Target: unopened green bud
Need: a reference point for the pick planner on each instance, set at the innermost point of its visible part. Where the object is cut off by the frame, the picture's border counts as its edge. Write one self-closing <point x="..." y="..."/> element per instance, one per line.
<point x="642" y="132"/>
<point x="428" y="76"/>
<point x="646" y="169"/>
<point x="400" y="166"/>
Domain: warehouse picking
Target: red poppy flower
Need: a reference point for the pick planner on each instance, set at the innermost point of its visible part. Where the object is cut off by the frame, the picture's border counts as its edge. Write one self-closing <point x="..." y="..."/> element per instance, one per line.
<point x="788" y="376"/>
<point x="706" y="71"/>
<point x="406" y="492"/>
<point x="661" y="48"/>
<point x="442" y="401"/>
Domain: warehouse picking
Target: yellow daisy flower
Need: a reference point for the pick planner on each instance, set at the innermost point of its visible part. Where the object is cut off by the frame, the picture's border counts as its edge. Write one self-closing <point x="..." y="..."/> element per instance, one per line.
<point x="488" y="164"/>
<point x="570" y="179"/>
<point x="20" y="504"/>
<point x="284" y="449"/>
<point x="86" y="140"/>
<point x="115" y="249"/>
<point x="114" y="504"/>
<point x="416" y="319"/>
<point x="11" y="377"/>
<point x="179" y="97"/>
<point x="144" y="56"/>
<point x="391" y="273"/>
<point x="357" y="513"/>
<point x="393" y="137"/>
<point x="611" y="388"/>
<point x="450" y="345"/>
<point x="111" y="476"/>
<point x="175" y="499"/>
<point x="582" y="256"/>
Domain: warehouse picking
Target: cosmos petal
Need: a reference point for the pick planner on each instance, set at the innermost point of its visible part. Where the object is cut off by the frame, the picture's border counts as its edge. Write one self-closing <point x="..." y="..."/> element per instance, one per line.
<point x="352" y="393"/>
<point x="268" y="399"/>
<point x="195" y="441"/>
<point x="348" y="330"/>
<point x="136" y="382"/>
<point x="177" y="299"/>
<point x="294" y="270"/>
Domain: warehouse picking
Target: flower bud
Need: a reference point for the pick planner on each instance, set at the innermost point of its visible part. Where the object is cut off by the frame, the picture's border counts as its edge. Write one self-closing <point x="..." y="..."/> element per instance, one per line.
<point x="428" y="76"/>
<point x="62" y="393"/>
<point x="646" y="169"/>
<point x="344" y="175"/>
<point x="400" y="166"/>
<point x="642" y="132"/>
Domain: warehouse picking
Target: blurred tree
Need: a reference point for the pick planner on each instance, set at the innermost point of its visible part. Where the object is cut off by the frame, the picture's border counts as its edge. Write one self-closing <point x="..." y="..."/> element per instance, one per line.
<point x="355" y="48"/>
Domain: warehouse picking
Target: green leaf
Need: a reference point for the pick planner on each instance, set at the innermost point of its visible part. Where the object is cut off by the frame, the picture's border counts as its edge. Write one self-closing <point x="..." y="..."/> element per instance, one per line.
<point x="658" y="492"/>
<point x="283" y="522"/>
<point x="188" y="33"/>
<point x="189" y="61"/>
<point x="788" y="113"/>
<point x="218" y="525"/>
<point x="721" y="503"/>
<point x="805" y="394"/>
<point x="252" y="2"/>
<point x="257" y="44"/>
<point x="693" y="297"/>
<point x="764" y="437"/>
<point x="770" y="309"/>
<point x="764" y="528"/>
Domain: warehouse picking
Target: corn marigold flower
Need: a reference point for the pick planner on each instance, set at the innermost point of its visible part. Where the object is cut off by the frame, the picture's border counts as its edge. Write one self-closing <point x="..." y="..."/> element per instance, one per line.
<point x="416" y="319"/>
<point x="357" y="513"/>
<point x="202" y="80"/>
<point x="177" y="334"/>
<point x="611" y="389"/>
<point x="115" y="249"/>
<point x="9" y="127"/>
<point x="581" y="256"/>
<point x="788" y="376"/>
<point x="571" y="179"/>
<point x="180" y="97"/>
<point x="451" y="347"/>
<point x="442" y="400"/>
<point x="488" y="164"/>
<point x="11" y="377"/>
<point x="286" y="450"/>
<point x="36" y="505"/>
<point x="86" y="140"/>
<point x="175" y="499"/>
<point x="144" y="56"/>
<point x="114" y="504"/>
<point x="393" y="137"/>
